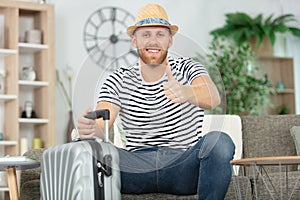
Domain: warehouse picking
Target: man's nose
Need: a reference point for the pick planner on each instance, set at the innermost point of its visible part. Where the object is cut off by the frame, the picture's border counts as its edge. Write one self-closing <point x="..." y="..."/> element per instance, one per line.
<point x="153" y="38"/>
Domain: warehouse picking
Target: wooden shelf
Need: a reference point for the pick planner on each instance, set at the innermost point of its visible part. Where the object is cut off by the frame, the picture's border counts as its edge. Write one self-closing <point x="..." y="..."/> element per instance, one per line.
<point x="275" y="58"/>
<point x="8" y="143"/>
<point x="31" y="48"/>
<point x="286" y="91"/>
<point x="33" y="84"/>
<point x="7" y="52"/>
<point x="4" y="189"/>
<point x="33" y="121"/>
<point x="6" y="97"/>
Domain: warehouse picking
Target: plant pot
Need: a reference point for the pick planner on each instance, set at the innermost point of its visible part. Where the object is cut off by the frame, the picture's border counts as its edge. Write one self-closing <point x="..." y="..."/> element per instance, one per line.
<point x="266" y="48"/>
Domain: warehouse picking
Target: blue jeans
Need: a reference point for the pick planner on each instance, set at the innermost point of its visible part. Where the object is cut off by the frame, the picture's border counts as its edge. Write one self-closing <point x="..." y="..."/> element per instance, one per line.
<point x="203" y="169"/>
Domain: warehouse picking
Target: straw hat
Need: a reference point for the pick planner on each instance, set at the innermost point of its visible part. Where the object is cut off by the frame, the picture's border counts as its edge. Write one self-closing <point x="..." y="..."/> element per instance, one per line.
<point x="151" y="15"/>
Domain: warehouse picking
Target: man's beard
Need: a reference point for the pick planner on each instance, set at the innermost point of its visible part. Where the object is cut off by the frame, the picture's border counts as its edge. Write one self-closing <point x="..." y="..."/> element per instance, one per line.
<point x="152" y="60"/>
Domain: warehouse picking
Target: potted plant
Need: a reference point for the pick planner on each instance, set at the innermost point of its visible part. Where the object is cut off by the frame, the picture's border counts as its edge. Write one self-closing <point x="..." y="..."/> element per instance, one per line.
<point x="242" y="91"/>
<point x="242" y="28"/>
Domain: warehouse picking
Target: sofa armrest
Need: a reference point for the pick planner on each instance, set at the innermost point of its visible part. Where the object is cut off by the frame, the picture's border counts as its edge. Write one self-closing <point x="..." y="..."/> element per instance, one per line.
<point x="31" y="174"/>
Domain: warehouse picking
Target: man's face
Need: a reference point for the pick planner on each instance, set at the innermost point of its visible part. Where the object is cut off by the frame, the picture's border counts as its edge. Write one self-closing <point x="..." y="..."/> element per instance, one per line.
<point x="152" y="44"/>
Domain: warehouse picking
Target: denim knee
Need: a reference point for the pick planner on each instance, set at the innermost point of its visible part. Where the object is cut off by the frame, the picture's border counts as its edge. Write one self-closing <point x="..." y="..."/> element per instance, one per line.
<point x="218" y="143"/>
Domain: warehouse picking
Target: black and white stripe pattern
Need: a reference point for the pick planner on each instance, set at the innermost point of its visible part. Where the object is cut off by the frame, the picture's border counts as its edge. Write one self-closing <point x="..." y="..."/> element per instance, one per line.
<point x="147" y="116"/>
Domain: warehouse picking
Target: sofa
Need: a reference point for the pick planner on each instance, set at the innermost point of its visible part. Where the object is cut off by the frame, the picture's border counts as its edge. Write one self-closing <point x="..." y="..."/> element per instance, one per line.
<point x="260" y="136"/>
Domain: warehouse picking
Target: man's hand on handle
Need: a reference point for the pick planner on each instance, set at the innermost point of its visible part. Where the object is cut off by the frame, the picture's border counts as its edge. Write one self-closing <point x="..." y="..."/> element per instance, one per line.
<point x="88" y="128"/>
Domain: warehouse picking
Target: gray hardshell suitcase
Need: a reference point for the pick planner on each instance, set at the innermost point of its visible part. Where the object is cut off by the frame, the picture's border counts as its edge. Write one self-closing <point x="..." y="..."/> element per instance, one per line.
<point x="82" y="170"/>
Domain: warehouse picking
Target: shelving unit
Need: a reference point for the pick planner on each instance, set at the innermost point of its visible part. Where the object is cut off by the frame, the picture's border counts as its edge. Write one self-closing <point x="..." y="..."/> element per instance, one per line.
<point x="279" y="69"/>
<point x="20" y="16"/>
<point x="16" y="18"/>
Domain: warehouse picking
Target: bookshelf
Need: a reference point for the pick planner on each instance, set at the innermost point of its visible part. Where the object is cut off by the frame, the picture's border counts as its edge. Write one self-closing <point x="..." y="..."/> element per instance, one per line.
<point x="279" y="70"/>
<point x="15" y="53"/>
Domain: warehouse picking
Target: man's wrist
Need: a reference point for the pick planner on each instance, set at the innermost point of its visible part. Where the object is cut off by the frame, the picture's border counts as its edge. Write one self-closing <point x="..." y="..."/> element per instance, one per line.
<point x="189" y="92"/>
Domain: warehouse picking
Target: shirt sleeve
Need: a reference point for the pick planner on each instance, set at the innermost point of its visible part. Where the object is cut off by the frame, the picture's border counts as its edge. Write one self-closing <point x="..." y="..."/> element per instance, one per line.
<point x="110" y="89"/>
<point x="193" y="70"/>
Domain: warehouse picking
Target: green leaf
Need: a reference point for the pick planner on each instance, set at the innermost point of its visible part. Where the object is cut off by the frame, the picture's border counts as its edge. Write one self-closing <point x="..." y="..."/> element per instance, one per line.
<point x="281" y="28"/>
<point x="283" y="19"/>
<point x="295" y="31"/>
<point x="238" y="18"/>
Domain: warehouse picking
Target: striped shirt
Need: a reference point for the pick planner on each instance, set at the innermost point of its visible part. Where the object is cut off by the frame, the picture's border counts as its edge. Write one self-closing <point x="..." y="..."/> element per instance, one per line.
<point x="147" y="117"/>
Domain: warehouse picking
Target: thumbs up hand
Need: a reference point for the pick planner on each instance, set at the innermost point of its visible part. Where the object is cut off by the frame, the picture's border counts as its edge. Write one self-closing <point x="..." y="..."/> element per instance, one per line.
<point x="174" y="91"/>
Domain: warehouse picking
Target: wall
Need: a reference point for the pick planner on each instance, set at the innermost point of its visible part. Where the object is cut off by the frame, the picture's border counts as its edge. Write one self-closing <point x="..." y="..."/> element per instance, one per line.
<point x="195" y="19"/>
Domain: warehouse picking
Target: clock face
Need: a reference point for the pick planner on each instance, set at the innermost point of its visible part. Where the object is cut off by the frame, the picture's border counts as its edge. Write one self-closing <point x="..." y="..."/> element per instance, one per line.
<point x="106" y="40"/>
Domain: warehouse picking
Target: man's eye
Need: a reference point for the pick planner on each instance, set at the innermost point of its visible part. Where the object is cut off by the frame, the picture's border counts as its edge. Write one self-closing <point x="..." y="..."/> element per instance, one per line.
<point x="160" y="34"/>
<point x="146" y="35"/>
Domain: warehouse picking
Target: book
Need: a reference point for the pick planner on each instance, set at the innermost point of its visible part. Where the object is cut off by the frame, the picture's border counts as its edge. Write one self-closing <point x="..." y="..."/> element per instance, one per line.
<point x="17" y="159"/>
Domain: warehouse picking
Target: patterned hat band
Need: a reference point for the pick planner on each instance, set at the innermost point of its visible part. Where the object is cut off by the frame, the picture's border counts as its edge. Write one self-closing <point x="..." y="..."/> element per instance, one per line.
<point x="152" y="21"/>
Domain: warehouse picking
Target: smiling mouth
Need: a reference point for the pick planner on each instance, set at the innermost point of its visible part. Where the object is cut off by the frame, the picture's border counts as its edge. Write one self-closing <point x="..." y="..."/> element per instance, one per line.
<point x="152" y="50"/>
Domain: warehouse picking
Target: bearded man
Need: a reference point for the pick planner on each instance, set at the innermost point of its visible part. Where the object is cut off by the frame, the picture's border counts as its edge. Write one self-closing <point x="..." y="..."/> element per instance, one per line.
<point x="161" y="101"/>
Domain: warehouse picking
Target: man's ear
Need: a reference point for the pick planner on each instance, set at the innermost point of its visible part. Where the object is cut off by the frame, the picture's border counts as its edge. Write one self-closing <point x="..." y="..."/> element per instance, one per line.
<point x="133" y="41"/>
<point x="170" y="41"/>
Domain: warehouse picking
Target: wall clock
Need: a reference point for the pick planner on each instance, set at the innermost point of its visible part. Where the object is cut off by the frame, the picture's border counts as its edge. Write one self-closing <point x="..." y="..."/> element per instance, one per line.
<point x="105" y="38"/>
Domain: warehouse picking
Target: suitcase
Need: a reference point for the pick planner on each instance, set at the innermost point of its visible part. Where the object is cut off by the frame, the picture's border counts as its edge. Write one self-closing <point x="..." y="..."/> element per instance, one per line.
<point x="82" y="170"/>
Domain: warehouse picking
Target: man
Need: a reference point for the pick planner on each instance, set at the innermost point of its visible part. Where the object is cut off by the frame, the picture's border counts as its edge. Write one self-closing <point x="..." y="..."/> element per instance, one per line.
<point x="161" y="102"/>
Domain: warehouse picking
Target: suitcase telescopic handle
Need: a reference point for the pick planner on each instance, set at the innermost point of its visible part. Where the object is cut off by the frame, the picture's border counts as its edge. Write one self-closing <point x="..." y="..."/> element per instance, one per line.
<point x="104" y="113"/>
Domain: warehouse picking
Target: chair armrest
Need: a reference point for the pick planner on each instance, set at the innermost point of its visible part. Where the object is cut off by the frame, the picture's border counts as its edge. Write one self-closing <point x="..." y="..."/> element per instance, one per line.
<point x="32" y="174"/>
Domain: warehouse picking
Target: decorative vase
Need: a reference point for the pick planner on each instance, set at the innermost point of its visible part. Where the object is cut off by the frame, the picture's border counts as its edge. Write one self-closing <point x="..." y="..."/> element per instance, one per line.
<point x="70" y="127"/>
<point x="33" y="36"/>
<point x="37" y="143"/>
<point x="28" y="74"/>
<point x="280" y="85"/>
